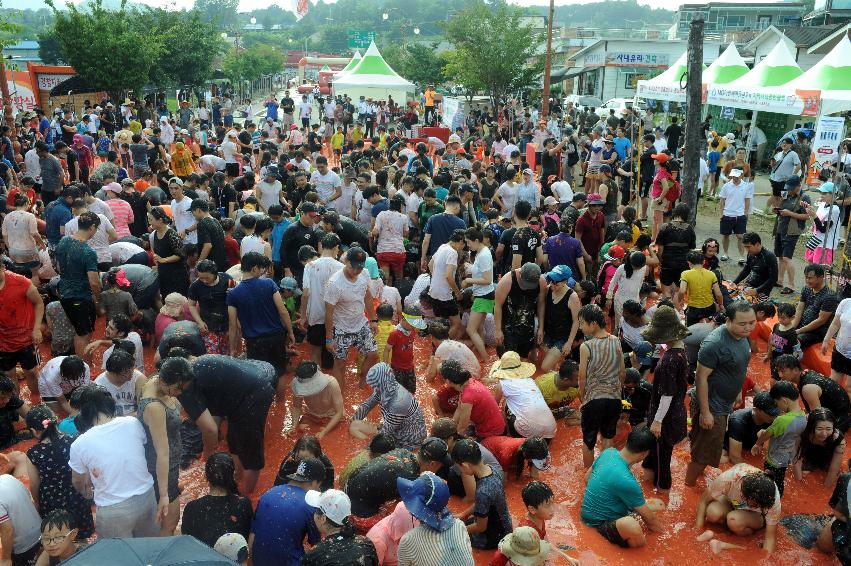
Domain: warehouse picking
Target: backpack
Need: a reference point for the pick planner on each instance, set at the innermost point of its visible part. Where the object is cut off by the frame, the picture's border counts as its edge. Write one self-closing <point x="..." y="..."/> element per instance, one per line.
<point x="674" y="192"/>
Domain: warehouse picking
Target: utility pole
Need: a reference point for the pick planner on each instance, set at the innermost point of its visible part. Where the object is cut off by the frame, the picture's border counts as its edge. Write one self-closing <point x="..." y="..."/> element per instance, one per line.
<point x="694" y="88"/>
<point x="545" y="103"/>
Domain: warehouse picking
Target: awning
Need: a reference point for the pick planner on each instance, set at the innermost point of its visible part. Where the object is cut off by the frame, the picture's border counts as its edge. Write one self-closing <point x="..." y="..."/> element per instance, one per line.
<point x="557" y="75"/>
<point x="573" y="71"/>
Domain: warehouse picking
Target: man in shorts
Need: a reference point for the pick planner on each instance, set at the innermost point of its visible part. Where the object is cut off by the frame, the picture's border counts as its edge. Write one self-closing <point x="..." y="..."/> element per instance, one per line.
<point x="613" y="500"/>
<point x="785" y="165"/>
<point x="312" y="312"/>
<point x="347" y="297"/>
<point x="79" y="279"/>
<point x="722" y="364"/>
<point x="791" y="218"/>
<point x="20" y="325"/>
<point x="444" y="291"/>
<point x="516" y="300"/>
<point x="736" y="196"/>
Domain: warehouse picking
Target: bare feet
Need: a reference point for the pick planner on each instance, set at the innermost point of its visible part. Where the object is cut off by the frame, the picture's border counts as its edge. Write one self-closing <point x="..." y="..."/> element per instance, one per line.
<point x="718" y="545"/>
<point x="705" y="536"/>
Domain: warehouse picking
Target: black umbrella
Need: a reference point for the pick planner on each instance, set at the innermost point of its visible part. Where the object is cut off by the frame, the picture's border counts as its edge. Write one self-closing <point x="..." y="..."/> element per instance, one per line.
<point x="159" y="551"/>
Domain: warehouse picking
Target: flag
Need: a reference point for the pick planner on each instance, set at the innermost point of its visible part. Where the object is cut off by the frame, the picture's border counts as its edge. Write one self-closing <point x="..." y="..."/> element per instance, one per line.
<point x="301" y="8"/>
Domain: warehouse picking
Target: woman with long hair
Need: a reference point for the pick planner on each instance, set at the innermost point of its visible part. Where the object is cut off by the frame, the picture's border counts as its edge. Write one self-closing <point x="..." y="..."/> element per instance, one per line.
<point x="223" y="510"/>
<point x="822" y="446"/>
<point x="169" y="255"/>
<point x="307" y="446"/>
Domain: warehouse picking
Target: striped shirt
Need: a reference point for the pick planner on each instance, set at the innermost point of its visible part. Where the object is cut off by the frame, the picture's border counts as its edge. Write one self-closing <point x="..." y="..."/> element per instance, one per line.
<point x="425" y="546"/>
<point x="402" y="418"/>
<point x="602" y="379"/>
<point x="122" y="216"/>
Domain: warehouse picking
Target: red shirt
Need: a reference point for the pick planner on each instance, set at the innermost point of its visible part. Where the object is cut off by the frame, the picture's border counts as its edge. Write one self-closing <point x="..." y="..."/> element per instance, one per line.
<point x="10" y="197"/>
<point x="526" y="522"/>
<point x="232" y="251"/>
<point x="485" y="414"/>
<point x="504" y="449"/>
<point x="591" y="232"/>
<point x="403" y="349"/>
<point x="17" y="314"/>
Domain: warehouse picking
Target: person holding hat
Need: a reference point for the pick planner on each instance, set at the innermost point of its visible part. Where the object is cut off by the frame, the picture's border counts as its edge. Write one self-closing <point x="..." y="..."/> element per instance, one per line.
<point x="519" y="298"/>
<point x="284" y="518"/>
<point x="792" y="213"/>
<point x="320" y="396"/>
<point x="347" y="298"/>
<point x="525" y="410"/>
<point x="558" y="329"/>
<point x="744" y="425"/>
<point x="440" y="538"/>
<point x="340" y="544"/>
<point x="667" y="405"/>
<point x="785" y="165"/>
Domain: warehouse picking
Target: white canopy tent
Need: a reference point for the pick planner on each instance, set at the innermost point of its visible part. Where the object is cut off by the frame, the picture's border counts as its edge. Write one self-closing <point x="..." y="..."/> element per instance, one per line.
<point x="373" y="78"/>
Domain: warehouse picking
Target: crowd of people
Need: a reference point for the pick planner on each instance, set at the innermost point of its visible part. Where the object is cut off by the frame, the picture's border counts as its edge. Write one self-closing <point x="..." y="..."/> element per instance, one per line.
<point x="271" y="265"/>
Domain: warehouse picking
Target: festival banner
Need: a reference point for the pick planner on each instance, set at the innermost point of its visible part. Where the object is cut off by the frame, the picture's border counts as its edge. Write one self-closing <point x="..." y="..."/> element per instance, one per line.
<point x="825" y="145"/>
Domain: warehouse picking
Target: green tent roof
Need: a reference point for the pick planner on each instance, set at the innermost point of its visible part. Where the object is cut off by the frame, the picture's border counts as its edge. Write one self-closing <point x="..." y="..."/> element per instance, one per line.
<point x="727" y="68"/>
<point x="778" y="67"/>
<point x="831" y="73"/>
<point x="355" y="58"/>
<point x="372" y="63"/>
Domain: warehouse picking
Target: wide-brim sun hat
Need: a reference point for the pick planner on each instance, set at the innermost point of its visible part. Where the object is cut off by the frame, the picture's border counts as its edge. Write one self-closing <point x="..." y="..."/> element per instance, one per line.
<point x="426" y="498"/>
<point x="524" y="547"/>
<point x="665" y="326"/>
<point x="510" y="366"/>
<point x="311" y="385"/>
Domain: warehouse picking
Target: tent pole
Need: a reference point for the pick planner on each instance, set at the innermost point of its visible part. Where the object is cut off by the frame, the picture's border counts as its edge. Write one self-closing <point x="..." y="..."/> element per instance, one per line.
<point x="750" y="137"/>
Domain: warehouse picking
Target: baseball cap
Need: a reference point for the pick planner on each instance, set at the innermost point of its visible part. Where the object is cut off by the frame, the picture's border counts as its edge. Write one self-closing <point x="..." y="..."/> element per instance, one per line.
<point x="436" y="450"/>
<point x="559" y="273"/>
<point x="113" y="187"/>
<point x="290" y="284"/>
<point x="309" y="469"/>
<point x="454" y="138"/>
<point x="333" y="503"/>
<point x="550" y="200"/>
<point x="126" y="181"/>
<point x="529" y="172"/>
<point x="232" y="546"/>
<point x="735" y="173"/>
<point x="826" y="187"/>
<point x="356" y="257"/>
<point x="595" y="199"/>
<point x="766" y="404"/>
<point x="306" y="252"/>
<point x="309" y="208"/>
<point x="661" y="157"/>
<point x="615" y="252"/>
<point x="530" y="276"/>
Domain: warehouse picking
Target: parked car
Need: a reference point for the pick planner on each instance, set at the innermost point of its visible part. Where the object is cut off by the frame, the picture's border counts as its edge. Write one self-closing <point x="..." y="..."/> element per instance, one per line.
<point x="582" y="100"/>
<point x="618" y="104"/>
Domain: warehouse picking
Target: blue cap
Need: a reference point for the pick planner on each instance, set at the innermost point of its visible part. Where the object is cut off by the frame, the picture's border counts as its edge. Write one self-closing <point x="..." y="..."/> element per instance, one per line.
<point x="372" y="268"/>
<point x="290" y="284"/>
<point x="559" y="273"/>
<point x="826" y="187"/>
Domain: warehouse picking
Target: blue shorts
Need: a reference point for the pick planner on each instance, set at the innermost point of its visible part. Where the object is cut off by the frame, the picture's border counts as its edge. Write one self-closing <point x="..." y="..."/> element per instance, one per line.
<point x="733" y="225"/>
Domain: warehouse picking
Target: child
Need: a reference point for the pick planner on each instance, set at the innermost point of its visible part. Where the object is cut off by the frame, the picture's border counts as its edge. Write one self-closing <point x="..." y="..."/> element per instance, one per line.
<point x="399" y="352"/>
<point x="636" y="391"/>
<point x="68" y="425"/>
<point x="626" y="284"/>
<point x="713" y="159"/>
<point x="783" y="338"/>
<point x="114" y="300"/>
<point x="667" y="410"/>
<point x="784" y="434"/>
<point x="337" y="143"/>
<point x="613" y="260"/>
<point x="634" y="322"/>
<point x="540" y="507"/>
<point x="560" y="389"/>
<point x="490" y="520"/>
<point x="384" y="311"/>
<point x="493" y="224"/>
<point x="12" y="408"/>
<point x="231" y="245"/>
<point x="551" y="218"/>
<point x="50" y="476"/>
<point x="59" y="534"/>
<point x="104" y="144"/>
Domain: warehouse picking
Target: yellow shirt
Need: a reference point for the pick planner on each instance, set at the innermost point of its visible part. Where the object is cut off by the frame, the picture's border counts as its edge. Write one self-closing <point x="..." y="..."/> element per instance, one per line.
<point x="700" y="283"/>
<point x="382" y="140"/>
<point x="554" y="396"/>
<point x="385" y="327"/>
<point x="357" y="135"/>
<point x="337" y="140"/>
<point x="429" y="96"/>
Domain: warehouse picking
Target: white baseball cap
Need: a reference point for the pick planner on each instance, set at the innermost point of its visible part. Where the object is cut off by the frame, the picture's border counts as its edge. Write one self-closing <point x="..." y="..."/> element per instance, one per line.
<point x="735" y="173"/>
<point x="333" y="503"/>
<point x="454" y="138"/>
<point x="232" y="546"/>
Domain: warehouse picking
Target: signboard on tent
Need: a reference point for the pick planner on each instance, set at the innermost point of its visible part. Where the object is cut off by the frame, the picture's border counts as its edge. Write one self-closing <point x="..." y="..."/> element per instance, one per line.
<point x="360" y="39"/>
<point x="801" y="102"/>
<point x="825" y="145"/>
<point x="450" y="108"/>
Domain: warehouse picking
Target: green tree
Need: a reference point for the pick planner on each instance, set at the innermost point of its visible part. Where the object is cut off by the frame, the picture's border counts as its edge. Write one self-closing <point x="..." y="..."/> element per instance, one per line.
<point x="49" y="49"/>
<point x="417" y="62"/>
<point x="494" y="50"/>
<point x="251" y="63"/>
<point x="220" y="13"/>
<point x="104" y="47"/>
<point x="189" y="45"/>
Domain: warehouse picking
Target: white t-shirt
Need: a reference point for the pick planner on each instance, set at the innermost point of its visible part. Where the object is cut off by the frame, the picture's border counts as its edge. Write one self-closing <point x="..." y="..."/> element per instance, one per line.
<point x="99" y="207"/>
<point x="316" y="276"/>
<point x="343" y="205"/>
<point x="348" y="300"/>
<point x="508" y="192"/>
<point x="270" y="193"/>
<point x="420" y="284"/>
<point x="443" y="257"/>
<point x="304" y="109"/>
<point x="228" y="151"/>
<point x="508" y="150"/>
<point x="212" y="162"/>
<point x="122" y="251"/>
<point x="304" y="165"/>
<point x="527" y="404"/>
<point x="832" y="241"/>
<point x="843" y="338"/>
<point x="113" y="454"/>
<point x="391" y="226"/>
<point x="183" y="219"/>
<point x="251" y="243"/>
<point x="562" y="191"/>
<point x="99" y="242"/>
<point x="126" y="402"/>
<point x="325" y="186"/>
<point x="50" y="380"/>
<point x="413" y="205"/>
<point x="734" y="197"/>
<point x="454" y="350"/>
<point x="482" y="264"/>
<point x="436" y="142"/>
<point x="140" y="354"/>
<point x="16" y="505"/>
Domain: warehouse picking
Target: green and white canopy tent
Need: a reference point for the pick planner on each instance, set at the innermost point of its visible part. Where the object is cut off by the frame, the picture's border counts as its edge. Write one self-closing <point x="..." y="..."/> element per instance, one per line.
<point x="728" y="67"/>
<point x="668" y="85"/>
<point x="373" y="78"/>
<point x="351" y="65"/>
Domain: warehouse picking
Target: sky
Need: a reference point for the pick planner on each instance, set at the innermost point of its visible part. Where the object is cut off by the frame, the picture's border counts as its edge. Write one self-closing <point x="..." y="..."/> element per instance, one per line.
<point x="248" y="5"/>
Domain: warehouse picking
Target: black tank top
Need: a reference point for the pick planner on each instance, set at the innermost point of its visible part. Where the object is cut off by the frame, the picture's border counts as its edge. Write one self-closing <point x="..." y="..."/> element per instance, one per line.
<point x="833" y="396"/>
<point x="557" y="317"/>
<point x="520" y="309"/>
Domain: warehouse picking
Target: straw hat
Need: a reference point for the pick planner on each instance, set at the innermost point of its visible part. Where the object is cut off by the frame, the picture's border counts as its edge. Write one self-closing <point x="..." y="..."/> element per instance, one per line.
<point x="510" y="366"/>
<point x="524" y="547"/>
<point x="173" y="305"/>
<point x="665" y="327"/>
